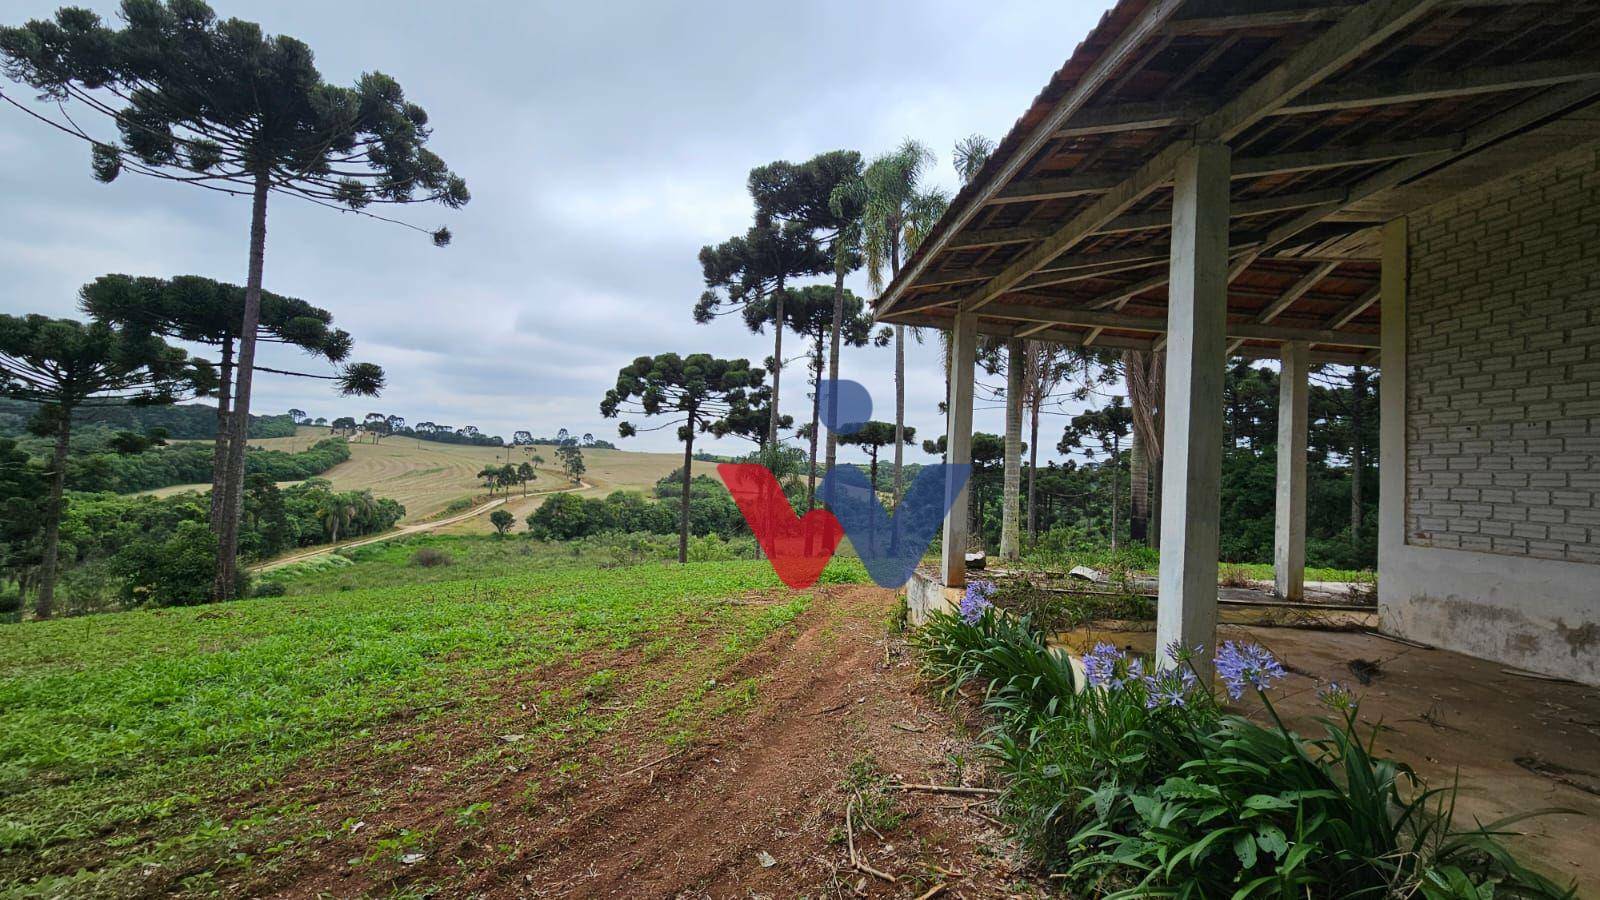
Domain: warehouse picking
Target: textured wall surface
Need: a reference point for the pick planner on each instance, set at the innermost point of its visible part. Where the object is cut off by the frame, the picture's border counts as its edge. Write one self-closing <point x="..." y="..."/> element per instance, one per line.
<point x="1503" y="368"/>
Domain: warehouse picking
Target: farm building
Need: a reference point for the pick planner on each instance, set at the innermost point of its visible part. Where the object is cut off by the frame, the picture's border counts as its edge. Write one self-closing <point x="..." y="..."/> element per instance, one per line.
<point x="1410" y="184"/>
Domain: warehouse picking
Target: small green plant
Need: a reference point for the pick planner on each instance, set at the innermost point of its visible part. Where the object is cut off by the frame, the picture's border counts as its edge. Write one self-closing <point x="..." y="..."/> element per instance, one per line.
<point x="599" y="686"/>
<point x="875" y="805"/>
<point x="472" y="815"/>
<point x="404" y="847"/>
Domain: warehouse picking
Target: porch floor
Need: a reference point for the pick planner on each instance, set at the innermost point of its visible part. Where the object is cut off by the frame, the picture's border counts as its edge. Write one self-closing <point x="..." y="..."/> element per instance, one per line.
<point x="1518" y="742"/>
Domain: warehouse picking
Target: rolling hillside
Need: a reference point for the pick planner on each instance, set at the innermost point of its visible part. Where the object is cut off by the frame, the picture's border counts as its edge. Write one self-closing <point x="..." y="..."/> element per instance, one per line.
<point x="427" y="477"/>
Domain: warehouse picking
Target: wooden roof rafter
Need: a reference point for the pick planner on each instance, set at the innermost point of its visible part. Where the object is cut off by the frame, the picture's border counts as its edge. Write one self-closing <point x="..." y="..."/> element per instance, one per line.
<point x="1073" y="208"/>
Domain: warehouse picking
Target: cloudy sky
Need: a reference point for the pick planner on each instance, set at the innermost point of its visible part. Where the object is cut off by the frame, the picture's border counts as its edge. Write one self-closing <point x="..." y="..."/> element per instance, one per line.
<point x="604" y="144"/>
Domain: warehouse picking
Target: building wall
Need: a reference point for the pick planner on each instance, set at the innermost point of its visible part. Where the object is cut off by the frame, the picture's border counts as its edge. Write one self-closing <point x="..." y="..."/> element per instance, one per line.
<point x="1503" y="393"/>
<point x="1491" y="528"/>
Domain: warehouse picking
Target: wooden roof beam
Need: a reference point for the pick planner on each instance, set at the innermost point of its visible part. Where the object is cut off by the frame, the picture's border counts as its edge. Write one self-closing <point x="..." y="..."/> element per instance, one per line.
<point x="1439" y="85"/>
<point x="1357" y="306"/>
<point x="1340" y="157"/>
<point x="1088" y="318"/>
<point x="1112" y="118"/>
<point x="1216" y="18"/>
<point x="1287" y="298"/>
<point x="1358" y="31"/>
<point x="1028" y="190"/>
<point x="1032" y="189"/>
<point x="1105" y="65"/>
<point x="1295" y="292"/>
<point x="1318" y="357"/>
<point x="1552" y="102"/>
<point x="1051" y="332"/>
<point x="1221" y="16"/>
<point x="1362" y="29"/>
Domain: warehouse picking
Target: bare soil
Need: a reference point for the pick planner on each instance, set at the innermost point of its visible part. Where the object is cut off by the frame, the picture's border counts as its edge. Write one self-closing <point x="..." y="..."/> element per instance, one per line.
<point x="826" y="712"/>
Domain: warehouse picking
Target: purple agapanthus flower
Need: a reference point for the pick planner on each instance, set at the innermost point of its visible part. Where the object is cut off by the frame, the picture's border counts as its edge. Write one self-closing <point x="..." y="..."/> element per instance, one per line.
<point x="1169" y="687"/>
<point x="1131" y="673"/>
<point x="1243" y="665"/>
<point x="1100" y="664"/>
<point x="1337" y="697"/>
<point x="976" y="600"/>
<point x="1177" y="653"/>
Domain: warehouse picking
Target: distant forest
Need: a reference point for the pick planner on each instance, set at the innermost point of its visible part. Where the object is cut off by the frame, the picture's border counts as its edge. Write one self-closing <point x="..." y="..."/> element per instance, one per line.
<point x="182" y="422"/>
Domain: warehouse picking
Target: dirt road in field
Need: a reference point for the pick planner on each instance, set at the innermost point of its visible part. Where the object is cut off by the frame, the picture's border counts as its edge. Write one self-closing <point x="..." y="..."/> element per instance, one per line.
<point x="753" y="807"/>
<point x="414" y="528"/>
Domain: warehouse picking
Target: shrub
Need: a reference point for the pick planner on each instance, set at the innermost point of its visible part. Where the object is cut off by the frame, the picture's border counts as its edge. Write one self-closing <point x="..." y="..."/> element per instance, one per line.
<point x="1053" y="611"/>
<point x="431" y="557"/>
<point x="1233" y="576"/>
<point x="271" y="589"/>
<point x="172" y="572"/>
<point x="502" y="520"/>
<point x="1141" y="785"/>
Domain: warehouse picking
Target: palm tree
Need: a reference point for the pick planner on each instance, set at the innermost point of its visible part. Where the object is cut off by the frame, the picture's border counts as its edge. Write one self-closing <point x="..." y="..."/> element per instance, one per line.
<point x="897" y="213"/>
<point x="336" y="511"/>
<point x="970" y="154"/>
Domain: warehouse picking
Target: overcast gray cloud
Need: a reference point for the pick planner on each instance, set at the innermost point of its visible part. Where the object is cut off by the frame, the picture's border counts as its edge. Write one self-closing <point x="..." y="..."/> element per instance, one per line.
<point x="604" y="144"/>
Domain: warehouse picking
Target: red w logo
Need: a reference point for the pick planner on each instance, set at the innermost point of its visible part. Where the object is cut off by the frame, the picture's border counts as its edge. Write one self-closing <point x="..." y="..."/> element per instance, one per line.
<point x="798" y="547"/>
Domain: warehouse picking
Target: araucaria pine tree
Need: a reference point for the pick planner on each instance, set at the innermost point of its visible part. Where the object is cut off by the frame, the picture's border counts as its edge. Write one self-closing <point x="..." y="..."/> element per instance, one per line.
<point x="64" y="365"/>
<point x="219" y="104"/>
<point x="698" y="393"/>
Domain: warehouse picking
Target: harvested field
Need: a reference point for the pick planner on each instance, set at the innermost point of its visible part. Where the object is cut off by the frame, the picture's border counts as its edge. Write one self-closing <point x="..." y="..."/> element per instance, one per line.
<point x="427" y="477"/>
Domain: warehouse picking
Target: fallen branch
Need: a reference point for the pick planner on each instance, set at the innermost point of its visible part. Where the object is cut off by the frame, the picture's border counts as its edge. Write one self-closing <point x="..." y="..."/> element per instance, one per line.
<point x="653" y="762"/>
<point x="850" y="831"/>
<point x="931" y="892"/>
<point x="875" y="873"/>
<point x="850" y="839"/>
<point x="946" y="789"/>
<point x="904" y="727"/>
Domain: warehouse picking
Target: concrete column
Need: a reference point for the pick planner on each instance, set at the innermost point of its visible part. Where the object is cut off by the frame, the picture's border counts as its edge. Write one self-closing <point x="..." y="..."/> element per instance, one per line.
<point x="1289" y="537"/>
<point x="1011" y="499"/>
<point x="1392" y="413"/>
<point x="1191" y="472"/>
<point x="958" y="446"/>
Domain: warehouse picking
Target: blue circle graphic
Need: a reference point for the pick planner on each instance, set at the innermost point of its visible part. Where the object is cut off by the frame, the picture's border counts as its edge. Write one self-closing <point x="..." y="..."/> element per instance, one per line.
<point x="846" y="405"/>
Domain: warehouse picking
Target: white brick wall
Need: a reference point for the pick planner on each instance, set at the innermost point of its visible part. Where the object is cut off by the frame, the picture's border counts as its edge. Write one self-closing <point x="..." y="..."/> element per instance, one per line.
<point x="1503" y="368"/>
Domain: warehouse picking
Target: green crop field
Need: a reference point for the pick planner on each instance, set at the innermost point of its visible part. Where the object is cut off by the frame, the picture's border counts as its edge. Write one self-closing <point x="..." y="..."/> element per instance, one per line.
<point x="145" y="750"/>
<point x="427" y="477"/>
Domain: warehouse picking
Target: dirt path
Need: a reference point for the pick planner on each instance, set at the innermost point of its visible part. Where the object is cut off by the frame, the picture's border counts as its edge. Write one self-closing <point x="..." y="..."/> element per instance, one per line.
<point x="404" y="530"/>
<point x="754" y="806"/>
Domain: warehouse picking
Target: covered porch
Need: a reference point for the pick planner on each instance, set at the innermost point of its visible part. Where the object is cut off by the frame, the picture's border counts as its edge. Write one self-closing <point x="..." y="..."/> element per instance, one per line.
<point x="1406" y="184"/>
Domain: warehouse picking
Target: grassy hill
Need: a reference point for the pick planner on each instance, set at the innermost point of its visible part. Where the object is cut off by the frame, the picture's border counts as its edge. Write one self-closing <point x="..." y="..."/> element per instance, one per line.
<point x="428" y="477"/>
<point x="161" y="750"/>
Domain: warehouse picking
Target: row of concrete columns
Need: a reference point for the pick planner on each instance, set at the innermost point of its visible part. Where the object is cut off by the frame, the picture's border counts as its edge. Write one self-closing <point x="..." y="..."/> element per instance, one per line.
<point x="1192" y="456"/>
